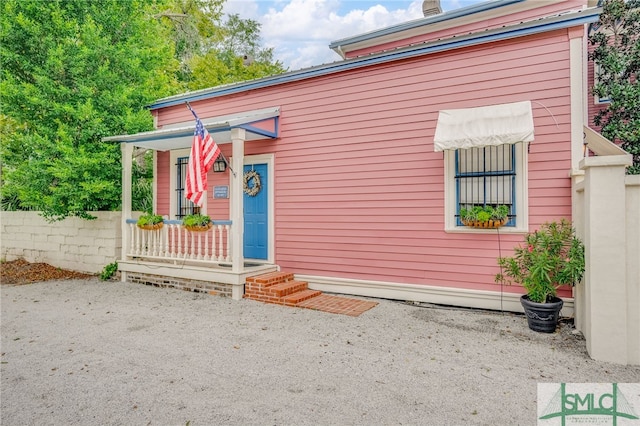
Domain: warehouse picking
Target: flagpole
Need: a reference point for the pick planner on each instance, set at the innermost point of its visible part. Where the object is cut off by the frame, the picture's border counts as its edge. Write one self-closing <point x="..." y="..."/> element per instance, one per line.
<point x="221" y="154"/>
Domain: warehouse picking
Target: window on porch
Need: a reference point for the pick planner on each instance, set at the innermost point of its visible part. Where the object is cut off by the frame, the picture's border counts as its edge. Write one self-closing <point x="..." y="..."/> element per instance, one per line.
<point x="184" y="206"/>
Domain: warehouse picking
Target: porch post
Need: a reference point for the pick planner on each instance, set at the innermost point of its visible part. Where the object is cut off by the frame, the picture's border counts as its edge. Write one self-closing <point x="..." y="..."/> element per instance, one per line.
<point x="237" y="208"/>
<point x="127" y="164"/>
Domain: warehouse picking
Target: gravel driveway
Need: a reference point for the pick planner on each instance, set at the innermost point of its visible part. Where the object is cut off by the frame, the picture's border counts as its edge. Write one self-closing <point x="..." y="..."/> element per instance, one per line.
<point x="87" y="352"/>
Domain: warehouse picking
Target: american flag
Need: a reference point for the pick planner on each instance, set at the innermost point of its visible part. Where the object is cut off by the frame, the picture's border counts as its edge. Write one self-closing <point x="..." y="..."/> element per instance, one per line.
<point x="204" y="152"/>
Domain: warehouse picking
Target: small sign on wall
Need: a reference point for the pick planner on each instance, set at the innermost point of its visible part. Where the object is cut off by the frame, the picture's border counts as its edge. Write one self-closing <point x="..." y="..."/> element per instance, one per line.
<point x="221" y="191"/>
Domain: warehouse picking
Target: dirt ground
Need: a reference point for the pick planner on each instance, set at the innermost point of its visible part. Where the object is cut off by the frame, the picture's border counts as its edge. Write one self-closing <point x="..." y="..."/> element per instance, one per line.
<point x="17" y="272"/>
<point x="87" y="352"/>
<point x="91" y="352"/>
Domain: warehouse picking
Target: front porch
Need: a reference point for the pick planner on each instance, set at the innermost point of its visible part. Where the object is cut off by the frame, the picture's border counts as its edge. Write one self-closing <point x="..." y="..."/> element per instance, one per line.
<point x="212" y="261"/>
<point x="196" y="261"/>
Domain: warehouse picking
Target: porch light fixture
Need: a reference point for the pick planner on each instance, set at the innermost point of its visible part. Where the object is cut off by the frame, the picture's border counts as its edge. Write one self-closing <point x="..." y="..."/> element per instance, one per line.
<point x="219" y="165"/>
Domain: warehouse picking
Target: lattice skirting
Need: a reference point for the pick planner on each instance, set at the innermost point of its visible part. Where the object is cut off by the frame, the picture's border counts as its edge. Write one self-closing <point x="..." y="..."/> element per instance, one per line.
<point x="218" y="289"/>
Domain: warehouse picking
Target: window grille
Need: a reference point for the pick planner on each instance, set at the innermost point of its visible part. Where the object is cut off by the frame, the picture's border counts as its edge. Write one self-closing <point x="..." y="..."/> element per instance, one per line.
<point x="185" y="207"/>
<point x="486" y="177"/>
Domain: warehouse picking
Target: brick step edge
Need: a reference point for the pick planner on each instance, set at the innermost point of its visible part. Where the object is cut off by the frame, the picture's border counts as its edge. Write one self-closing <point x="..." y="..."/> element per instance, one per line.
<point x="301" y="296"/>
<point x="286" y="288"/>
<point x="269" y="279"/>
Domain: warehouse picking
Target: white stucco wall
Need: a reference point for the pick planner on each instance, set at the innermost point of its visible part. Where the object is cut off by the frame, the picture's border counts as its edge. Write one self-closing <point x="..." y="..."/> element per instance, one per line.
<point x="607" y="302"/>
<point x="73" y="243"/>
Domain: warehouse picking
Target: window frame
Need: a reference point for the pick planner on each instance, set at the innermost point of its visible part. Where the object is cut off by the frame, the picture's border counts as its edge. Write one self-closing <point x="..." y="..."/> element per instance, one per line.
<point x="597" y="99"/>
<point x="520" y="188"/>
<point x="173" y="179"/>
<point x="484" y="175"/>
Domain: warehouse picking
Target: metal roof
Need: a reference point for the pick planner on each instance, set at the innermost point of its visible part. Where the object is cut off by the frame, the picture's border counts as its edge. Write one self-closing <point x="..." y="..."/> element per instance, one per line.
<point x="540" y="25"/>
<point x="421" y="22"/>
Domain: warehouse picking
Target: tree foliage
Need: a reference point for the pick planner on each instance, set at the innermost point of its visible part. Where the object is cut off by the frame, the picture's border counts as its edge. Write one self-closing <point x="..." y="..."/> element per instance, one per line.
<point x="193" y="26"/>
<point x="221" y="52"/>
<point x="617" y="53"/>
<point x="75" y="71"/>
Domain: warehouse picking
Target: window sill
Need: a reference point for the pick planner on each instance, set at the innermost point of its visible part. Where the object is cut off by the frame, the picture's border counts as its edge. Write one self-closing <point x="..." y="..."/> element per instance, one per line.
<point x="501" y="230"/>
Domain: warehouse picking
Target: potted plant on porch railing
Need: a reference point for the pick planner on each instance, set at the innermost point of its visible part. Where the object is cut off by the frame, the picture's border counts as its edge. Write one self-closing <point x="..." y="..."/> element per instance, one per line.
<point x="150" y="221"/>
<point x="550" y="257"/>
<point x="197" y="222"/>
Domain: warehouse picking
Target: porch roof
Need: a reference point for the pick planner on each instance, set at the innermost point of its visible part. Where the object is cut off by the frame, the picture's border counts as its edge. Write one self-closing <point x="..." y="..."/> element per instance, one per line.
<point x="258" y="124"/>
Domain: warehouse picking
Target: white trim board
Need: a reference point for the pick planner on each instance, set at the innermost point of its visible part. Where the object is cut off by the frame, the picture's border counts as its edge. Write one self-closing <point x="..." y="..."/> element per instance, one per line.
<point x="479" y="299"/>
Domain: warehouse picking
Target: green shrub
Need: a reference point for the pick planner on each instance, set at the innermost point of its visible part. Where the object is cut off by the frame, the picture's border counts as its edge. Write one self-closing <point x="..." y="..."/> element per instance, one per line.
<point x="548" y="258"/>
<point x="108" y="271"/>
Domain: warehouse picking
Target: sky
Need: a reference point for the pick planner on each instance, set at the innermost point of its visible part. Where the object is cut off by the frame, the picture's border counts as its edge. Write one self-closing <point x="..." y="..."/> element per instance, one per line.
<point x="300" y="30"/>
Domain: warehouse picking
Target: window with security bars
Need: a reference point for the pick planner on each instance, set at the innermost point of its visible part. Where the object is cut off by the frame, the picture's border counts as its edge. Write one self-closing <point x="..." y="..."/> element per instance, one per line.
<point x="185" y="207"/>
<point x="486" y="177"/>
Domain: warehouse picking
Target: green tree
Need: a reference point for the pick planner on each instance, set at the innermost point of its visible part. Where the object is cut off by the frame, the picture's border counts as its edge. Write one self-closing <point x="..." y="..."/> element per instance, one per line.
<point x="194" y="26"/>
<point x="617" y="52"/>
<point x="239" y="56"/>
<point x="73" y="72"/>
<point x="213" y="51"/>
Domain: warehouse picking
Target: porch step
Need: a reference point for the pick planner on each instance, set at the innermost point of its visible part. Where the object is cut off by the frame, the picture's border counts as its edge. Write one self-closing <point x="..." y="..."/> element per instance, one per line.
<point x="282" y="289"/>
<point x="273" y="287"/>
<point x="301" y="296"/>
<point x="287" y="288"/>
<point x="270" y="278"/>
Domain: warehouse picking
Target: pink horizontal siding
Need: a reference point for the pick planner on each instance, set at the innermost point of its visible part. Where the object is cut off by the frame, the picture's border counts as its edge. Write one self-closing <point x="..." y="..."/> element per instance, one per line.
<point x="162" y="206"/>
<point x="358" y="187"/>
<point x="218" y="208"/>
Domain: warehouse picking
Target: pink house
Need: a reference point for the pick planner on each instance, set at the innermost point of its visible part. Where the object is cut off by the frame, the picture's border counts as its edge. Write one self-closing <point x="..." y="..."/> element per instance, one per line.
<point x="364" y="164"/>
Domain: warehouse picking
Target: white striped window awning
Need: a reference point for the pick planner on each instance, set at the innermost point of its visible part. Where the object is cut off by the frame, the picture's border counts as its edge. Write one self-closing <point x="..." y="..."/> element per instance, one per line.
<point x="484" y="126"/>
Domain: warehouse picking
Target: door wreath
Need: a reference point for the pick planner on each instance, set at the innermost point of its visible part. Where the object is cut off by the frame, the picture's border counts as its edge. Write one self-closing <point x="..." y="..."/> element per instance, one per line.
<point x="253" y="190"/>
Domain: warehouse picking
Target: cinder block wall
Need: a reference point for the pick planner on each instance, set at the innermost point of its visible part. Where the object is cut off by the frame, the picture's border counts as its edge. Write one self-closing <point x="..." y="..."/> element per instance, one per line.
<point x="73" y="243"/>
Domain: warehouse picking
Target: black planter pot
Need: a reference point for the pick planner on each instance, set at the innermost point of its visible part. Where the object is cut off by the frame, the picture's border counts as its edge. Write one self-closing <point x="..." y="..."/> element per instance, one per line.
<point x="542" y="317"/>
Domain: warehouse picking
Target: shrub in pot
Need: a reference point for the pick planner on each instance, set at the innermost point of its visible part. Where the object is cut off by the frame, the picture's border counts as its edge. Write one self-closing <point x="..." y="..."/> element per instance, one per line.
<point x="549" y="258"/>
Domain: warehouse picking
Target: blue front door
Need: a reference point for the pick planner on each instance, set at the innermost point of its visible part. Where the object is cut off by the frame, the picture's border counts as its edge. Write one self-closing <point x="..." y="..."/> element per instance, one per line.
<point x="256" y="215"/>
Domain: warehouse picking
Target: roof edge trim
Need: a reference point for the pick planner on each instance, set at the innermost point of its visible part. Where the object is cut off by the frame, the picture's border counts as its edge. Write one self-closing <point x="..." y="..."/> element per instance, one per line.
<point x="566" y="20"/>
<point x="446" y="16"/>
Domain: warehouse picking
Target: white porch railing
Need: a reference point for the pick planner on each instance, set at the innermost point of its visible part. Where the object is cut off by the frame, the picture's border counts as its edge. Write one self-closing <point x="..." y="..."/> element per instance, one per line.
<point x="174" y="243"/>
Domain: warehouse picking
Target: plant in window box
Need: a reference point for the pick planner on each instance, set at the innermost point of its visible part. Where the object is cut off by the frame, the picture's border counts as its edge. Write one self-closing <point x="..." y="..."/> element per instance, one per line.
<point x="150" y="222"/>
<point x="197" y="222"/>
<point x="485" y="216"/>
<point x="549" y="258"/>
